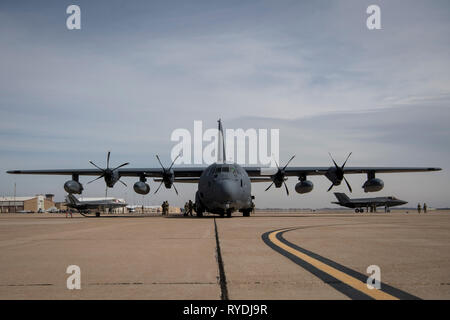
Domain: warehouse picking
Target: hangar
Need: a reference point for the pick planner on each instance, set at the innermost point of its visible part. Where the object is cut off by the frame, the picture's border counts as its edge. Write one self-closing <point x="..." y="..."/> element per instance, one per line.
<point x="37" y="203"/>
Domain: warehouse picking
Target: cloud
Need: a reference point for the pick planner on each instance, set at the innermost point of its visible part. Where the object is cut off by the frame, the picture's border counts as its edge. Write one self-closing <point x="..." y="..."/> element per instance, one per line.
<point x="136" y="72"/>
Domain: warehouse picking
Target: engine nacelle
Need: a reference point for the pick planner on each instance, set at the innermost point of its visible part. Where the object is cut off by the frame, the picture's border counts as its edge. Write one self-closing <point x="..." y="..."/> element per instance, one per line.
<point x="373" y="185"/>
<point x="73" y="186"/>
<point x="304" y="186"/>
<point x="141" y="187"/>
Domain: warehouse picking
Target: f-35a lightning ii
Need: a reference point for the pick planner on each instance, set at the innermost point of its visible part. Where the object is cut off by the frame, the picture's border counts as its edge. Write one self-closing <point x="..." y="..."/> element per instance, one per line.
<point x="97" y="205"/>
<point x="224" y="187"/>
<point x="368" y="203"/>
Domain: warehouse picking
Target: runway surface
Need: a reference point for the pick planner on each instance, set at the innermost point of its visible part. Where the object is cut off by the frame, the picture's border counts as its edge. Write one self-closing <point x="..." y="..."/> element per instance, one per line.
<point x="272" y="255"/>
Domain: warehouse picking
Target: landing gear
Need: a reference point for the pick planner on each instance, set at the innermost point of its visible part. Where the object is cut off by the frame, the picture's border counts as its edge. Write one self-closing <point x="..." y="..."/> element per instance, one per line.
<point x="246" y="213"/>
<point x="357" y="210"/>
<point x="97" y="214"/>
<point x="229" y="214"/>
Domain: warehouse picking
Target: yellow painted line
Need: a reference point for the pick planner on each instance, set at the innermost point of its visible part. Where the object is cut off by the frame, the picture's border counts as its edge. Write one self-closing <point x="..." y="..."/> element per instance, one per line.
<point x="341" y="276"/>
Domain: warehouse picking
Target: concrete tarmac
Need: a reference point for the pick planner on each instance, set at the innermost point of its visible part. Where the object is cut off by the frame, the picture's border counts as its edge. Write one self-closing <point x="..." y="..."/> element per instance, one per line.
<point x="154" y="257"/>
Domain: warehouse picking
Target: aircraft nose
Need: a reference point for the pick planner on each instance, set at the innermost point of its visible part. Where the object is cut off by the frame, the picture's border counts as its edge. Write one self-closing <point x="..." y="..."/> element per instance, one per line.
<point x="226" y="190"/>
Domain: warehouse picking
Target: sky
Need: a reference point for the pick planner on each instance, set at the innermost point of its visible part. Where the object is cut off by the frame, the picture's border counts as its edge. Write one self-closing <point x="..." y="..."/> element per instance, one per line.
<point x="138" y="70"/>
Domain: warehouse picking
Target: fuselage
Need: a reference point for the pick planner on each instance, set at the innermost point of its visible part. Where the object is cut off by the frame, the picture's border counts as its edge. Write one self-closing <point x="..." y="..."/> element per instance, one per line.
<point x="224" y="188"/>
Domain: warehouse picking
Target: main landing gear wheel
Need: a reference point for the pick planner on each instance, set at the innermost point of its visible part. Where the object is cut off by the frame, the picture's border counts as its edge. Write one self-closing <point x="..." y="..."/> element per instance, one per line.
<point x="97" y="214"/>
<point x="246" y="213"/>
<point x="228" y="214"/>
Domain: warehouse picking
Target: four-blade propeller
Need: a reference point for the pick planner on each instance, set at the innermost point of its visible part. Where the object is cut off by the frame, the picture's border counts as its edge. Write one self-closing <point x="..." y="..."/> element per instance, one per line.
<point x="339" y="174"/>
<point x="108" y="173"/>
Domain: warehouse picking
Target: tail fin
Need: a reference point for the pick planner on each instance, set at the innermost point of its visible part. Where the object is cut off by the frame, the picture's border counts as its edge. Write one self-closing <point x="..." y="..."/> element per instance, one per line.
<point x="72" y="199"/>
<point x="221" y="158"/>
<point x="342" y="197"/>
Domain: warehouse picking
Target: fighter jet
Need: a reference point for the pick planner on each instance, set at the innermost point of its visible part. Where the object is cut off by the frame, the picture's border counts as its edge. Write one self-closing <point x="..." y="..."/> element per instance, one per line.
<point x="372" y="203"/>
<point x="224" y="188"/>
<point x="98" y="205"/>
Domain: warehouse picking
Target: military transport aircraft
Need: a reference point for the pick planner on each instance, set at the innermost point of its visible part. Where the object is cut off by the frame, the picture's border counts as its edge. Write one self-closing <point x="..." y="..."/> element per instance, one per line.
<point x="223" y="187"/>
<point x="98" y="204"/>
<point x="372" y="203"/>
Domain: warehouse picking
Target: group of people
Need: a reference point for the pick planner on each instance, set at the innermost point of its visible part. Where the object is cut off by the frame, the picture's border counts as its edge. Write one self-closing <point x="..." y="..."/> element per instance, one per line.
<point x="419" y="208"/>
<point x="165" y="208"/>
<point x="188" y="208"/>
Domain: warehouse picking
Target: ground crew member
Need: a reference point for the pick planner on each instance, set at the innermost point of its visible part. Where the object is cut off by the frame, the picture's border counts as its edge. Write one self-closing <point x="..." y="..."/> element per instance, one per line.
<point x="167" y="208"/>
<point x="186" y="209"/>
<point x="418" y="207"/>
<point x="164" y="208"/>
<point x="69" y="212"/>
<point x="191" y="207"/>
<point x="424" y="207"/>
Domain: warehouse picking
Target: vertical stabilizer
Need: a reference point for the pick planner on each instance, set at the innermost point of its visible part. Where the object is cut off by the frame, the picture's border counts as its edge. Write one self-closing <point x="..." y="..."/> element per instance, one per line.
<point x="342" y="197"/>
<point x="72" y="199"/>
<point x="221" y="158"/>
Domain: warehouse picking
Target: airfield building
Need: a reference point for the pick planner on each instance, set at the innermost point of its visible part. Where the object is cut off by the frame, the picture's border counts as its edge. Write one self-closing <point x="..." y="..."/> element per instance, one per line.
<point x="37" y="203"/>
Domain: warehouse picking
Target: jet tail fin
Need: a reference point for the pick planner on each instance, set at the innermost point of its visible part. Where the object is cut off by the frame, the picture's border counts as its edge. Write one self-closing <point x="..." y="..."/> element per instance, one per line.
<point x="342" y="197"/>
<point x="221" y="158"/>
<point x="72" y="199"/>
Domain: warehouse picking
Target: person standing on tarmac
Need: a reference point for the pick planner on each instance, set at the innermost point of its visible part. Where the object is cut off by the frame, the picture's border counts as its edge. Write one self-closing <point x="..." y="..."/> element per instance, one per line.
<point x="424" y="207"/>
<point x="418" y="208"/>
<point x="164" y="208"/>
<point x="186" y="209"/>
<point x="191" y="207"/>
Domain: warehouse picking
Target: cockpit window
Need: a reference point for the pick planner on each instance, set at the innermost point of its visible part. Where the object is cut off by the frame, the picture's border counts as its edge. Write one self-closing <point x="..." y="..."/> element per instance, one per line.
<point x="225" y="169"/>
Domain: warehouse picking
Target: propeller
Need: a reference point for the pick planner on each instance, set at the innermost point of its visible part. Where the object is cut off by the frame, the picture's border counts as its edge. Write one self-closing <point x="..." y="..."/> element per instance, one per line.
<point x="108" y="173"/>
<point x="167" y="176"/>
<point x="279" y="177"/>
<point x="339" y="173"/>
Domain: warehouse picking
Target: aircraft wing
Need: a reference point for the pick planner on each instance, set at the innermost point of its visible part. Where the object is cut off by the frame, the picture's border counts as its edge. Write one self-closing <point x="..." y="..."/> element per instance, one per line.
<point x="195" y="172"/>
<point x="315" y="171"/>
<point x="124" y="172"/>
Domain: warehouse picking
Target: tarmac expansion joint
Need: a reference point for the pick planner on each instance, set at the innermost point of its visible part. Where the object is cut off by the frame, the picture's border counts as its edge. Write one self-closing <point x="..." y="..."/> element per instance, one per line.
<point x="222" y="276"/>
